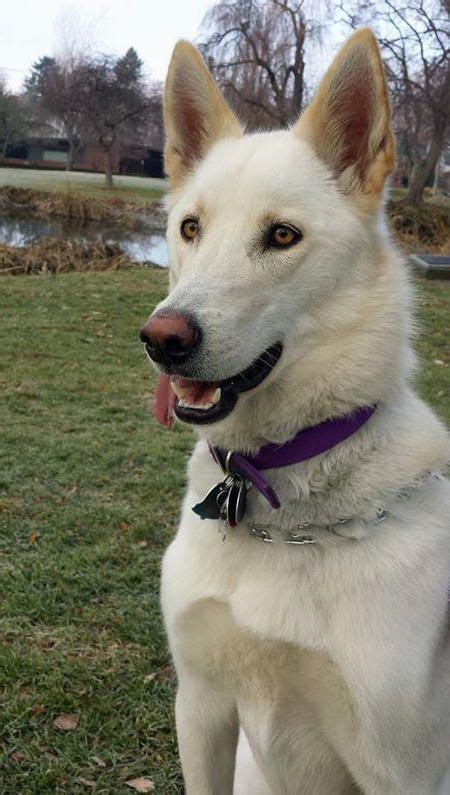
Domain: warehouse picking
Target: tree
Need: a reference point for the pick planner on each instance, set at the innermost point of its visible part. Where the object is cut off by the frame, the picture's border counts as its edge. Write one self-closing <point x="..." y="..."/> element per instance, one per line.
<point x="256" y="49"/>
<point x="53" y="94"/>
<point x="59" y="92"/>
<point x="12" y="125"/>
<point x="34" y="81"/>
<point x="36" y="114"/>
<point x="114" y="103"/>
<point x="414" y="37"/>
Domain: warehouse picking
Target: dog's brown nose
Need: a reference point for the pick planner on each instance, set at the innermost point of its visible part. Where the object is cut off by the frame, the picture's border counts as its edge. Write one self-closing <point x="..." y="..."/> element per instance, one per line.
<point x="170" y="338"/>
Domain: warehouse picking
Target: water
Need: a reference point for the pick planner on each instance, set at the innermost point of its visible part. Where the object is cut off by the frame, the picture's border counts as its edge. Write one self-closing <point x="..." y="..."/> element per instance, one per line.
<point x="139" y="246"/>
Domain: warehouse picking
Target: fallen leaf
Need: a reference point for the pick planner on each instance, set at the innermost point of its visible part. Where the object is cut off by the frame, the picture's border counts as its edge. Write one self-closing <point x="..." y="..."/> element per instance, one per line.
<point x="168" y="672"/>
<point x="66" y="722"/>
<point x="38" y="709"/>
<point x="149" y="678"/>
<point x="141" y="784"/>
<point x="143" y="544"/>
<point x="33" y="537"/>
<point x="17" y="757"/>
<point x="98" y="761"/>
<point x="438" y="361"/>
<point x="85" y="781"/>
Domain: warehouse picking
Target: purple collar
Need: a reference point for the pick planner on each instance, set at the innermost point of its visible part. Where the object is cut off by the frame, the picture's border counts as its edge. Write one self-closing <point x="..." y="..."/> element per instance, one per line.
<point x="306" y="444"/>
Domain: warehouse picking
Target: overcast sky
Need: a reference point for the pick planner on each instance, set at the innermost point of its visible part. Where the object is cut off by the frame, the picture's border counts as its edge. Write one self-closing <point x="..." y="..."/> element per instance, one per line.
<point x="32" y="28"/>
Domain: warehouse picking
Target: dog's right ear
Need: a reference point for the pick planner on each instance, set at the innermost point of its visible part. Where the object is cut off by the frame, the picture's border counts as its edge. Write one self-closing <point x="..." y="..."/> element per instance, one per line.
<point x="195" y="112"/>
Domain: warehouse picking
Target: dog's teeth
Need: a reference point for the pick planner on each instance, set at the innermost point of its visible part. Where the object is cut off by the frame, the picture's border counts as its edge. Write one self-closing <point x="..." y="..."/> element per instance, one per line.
<point x="216" y="397"/>
<point x="179" y="391"/>
<point x="199" y="406"/>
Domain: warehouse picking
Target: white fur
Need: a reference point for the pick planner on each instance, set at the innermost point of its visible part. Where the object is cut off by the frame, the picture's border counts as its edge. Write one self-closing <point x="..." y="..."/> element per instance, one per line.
<point x="333" y="660"/>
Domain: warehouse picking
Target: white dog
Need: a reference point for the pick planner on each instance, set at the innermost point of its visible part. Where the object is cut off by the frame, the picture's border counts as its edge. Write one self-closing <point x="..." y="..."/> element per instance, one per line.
<point x="316" y="631"/>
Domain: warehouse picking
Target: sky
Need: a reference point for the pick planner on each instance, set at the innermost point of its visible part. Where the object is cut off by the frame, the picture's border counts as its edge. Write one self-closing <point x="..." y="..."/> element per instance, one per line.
<point x="33" y="28"/>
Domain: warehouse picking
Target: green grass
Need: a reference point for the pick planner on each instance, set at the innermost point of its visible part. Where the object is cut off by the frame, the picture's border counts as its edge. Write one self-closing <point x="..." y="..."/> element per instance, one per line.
<point x="86" y="479"/>
<point x="89" y="496"/>
<point x="129" y="188"/>
<point x="433" y="344"/>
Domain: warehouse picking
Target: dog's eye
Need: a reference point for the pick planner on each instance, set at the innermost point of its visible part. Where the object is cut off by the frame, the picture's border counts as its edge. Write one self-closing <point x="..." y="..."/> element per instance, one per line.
<point x="283" y="236"/>
<point x="189" y="228"/>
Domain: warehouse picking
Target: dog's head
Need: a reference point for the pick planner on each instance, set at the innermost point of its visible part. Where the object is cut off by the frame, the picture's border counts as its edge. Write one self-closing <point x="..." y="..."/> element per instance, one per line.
<point x="274" y="242"/>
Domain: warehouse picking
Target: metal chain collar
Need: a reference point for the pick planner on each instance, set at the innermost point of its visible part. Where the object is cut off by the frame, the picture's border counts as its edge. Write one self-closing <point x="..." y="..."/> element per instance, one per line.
<point x="297" y="537"/>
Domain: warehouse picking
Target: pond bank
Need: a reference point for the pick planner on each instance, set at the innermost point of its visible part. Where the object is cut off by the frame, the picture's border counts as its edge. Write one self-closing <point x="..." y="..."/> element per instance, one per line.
<point x="61" y="256"/>
<point x="42" y="232"/>
<point x="148" y="215"/>
<point x="58" y="231"/>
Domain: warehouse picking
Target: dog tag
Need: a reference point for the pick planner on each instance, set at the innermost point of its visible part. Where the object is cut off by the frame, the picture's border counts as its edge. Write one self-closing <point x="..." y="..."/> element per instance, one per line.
<point x="235" y="504"/>
<point x="226" y="501"/>
<point x="211" y="507"/>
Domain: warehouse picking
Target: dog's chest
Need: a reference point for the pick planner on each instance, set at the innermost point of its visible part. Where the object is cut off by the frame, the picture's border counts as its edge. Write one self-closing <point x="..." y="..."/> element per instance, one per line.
<point x="280" y="689"/>
<point x="266" y="592"/>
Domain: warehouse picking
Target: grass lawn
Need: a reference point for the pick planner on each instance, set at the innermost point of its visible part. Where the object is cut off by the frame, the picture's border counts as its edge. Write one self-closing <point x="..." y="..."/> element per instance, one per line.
<point x="130" y="188"/>
<point x="89" y="494"/>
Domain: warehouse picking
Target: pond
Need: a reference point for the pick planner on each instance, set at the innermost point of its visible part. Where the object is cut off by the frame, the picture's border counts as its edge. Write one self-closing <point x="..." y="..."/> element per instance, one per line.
<point x="139" y="246"/>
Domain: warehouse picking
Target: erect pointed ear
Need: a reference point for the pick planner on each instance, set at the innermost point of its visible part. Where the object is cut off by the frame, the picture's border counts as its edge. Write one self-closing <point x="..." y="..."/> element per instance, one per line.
<point x="195" y="112"/>
<point x="348" y="122"/>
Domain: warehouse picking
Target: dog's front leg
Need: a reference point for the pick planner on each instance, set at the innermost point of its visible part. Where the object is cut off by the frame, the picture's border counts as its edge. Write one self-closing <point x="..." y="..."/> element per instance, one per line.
<point x="207" y="727"/>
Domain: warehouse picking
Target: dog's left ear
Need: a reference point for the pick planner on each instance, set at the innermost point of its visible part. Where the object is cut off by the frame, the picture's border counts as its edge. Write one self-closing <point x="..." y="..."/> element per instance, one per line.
<point x="195" y="112"/>
<point x="348" y="122"/>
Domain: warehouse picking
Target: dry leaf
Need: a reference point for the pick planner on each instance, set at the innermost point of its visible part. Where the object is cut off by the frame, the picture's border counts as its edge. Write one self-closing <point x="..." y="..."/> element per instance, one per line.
<point x="17" y="757"/>
<point x="33" y="537"/>
<point x="85" y="781"/>
<point x="143" y="544"/>
<point x="66" y="722"/>
<point x="141" y="784"/>
<point x="149" y="678"/>
<point x="37" y="710"/>
<point x="98" y="761"/>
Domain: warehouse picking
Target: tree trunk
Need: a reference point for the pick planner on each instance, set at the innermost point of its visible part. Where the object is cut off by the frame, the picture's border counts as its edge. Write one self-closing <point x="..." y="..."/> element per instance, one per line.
<point x="299" y="74"/>
<point x="426" y="168"/>
<point x="70" y="155"/>
<point x="108" y="170"/>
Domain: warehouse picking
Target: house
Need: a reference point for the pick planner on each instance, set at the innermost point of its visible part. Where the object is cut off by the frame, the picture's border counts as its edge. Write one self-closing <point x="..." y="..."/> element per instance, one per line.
<point x="52" y="152"/>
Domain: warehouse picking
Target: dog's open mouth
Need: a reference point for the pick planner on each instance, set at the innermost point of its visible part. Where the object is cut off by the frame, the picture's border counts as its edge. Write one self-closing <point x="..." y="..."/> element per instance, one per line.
<point x="209" y="401"/>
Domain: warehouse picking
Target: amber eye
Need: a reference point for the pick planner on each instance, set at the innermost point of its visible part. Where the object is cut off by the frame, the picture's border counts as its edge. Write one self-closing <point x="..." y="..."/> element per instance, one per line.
<point x="283" y="236"/>
<point x="189" y="228"/>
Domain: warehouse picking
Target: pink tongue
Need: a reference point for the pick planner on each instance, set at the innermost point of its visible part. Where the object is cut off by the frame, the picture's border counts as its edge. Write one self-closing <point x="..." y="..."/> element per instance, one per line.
<point x="164" y="401"/>
<point x="195" y="392"/>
